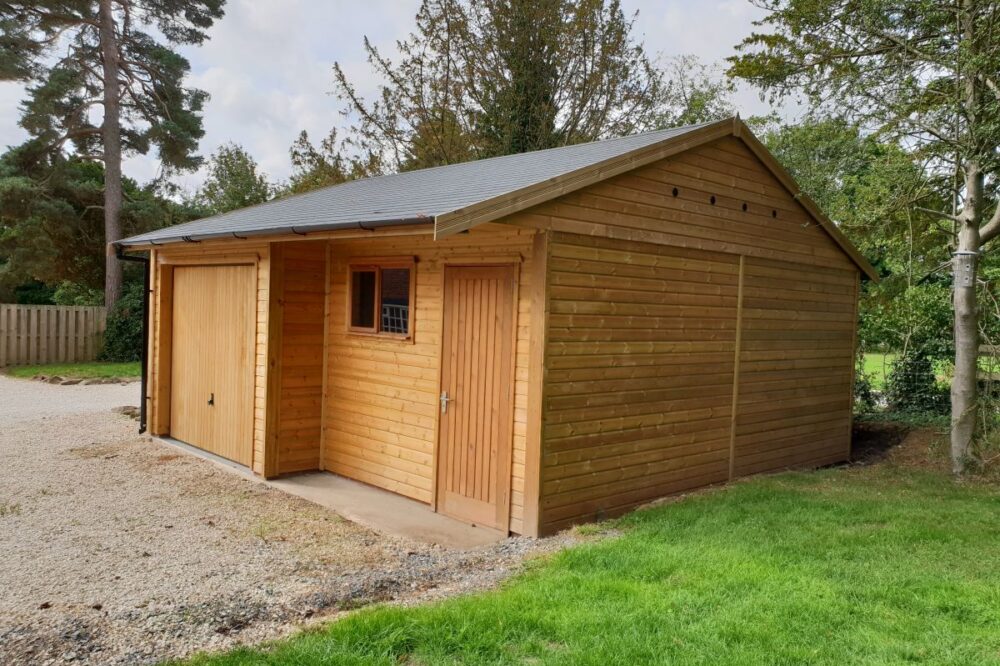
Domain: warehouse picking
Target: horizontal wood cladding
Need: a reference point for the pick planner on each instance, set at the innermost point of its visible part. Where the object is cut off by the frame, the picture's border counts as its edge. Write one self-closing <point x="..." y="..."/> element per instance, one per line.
<point x="796" y="366"/>
<point x="299" y="403"/>
<point x="726" y="201"/>
<point x="638" y="390"/>
<point x="381" y="412"/>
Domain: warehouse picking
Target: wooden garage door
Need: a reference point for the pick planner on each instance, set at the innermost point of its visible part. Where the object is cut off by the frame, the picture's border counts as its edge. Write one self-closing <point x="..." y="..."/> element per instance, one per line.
<point x="477" y="384"/>
<point x="212" y="363"/>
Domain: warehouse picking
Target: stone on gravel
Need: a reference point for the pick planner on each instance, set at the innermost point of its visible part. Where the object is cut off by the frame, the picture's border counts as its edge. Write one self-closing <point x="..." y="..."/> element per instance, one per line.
<point x="70" y="382"/>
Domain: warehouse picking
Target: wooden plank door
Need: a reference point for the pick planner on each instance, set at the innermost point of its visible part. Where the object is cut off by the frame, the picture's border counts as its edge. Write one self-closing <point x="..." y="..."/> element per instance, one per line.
<point x="477" y="385"/>
<point x="212" y="364"/>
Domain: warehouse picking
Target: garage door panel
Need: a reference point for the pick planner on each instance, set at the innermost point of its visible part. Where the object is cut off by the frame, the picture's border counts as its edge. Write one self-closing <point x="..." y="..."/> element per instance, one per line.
<point x="212" y="364"/>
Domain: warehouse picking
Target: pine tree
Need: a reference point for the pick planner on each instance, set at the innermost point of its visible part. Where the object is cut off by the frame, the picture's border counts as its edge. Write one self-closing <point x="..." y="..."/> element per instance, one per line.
<point x="78" y="55"/>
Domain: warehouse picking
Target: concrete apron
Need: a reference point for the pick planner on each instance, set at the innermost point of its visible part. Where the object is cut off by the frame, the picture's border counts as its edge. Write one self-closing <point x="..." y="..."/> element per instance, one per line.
<point x="380" y="510"/>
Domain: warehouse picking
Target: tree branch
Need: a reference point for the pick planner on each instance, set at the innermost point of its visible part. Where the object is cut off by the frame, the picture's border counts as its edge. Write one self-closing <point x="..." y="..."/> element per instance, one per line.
<point x="942" y="214"/>
<point x="991" y="229"/>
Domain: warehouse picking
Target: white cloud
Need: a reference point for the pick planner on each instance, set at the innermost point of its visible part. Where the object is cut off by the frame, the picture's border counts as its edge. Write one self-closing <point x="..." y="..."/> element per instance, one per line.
<point x="268" y="66"/>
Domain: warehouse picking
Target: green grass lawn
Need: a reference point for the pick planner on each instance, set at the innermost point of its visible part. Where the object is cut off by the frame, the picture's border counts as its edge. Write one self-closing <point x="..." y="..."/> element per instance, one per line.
<point x="883" y="564"/>
<point x="877" y="367"/>
<point x="77" y="370"/>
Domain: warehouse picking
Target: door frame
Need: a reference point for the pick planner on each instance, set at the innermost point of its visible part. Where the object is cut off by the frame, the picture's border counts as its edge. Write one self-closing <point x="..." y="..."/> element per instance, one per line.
<point x="163" y="329"/>
<point x="503" y="261"/>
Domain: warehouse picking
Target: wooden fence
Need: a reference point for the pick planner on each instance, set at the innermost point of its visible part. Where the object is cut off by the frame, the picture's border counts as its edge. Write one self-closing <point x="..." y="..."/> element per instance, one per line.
<point x="31" y="334"/>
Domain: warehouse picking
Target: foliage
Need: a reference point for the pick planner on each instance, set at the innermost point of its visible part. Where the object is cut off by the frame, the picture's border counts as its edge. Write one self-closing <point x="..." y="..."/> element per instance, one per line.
<point x="51" y="226"/>
<point x="33" y="293"/>
<point x="877" y="564"/>
<point x="77" y="55"/>
<point x="912" y="385"/>
<point x="123" y="336"/>
<point x="320" y="166"/>
<point x="71" y="293"/>
<point x="694" y="93"/>
<point x="480" y="78"/>
<point x="233" y="181"/>
<point x="129" y="370"/>
<point x="55" y="47"/>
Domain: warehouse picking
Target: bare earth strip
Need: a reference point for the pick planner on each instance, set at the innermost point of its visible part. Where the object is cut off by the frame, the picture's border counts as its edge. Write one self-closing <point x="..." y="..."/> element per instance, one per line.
<point x="119" y="550"/>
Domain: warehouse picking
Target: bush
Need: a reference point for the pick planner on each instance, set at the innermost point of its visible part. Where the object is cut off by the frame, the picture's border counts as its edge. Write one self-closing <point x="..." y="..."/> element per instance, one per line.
<point x="72" y="293"/>
<point x="123" y="338"/>
<point x="913" y="387"/>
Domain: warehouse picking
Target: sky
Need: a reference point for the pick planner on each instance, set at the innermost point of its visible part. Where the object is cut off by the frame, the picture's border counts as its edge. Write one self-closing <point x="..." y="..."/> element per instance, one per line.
<point x="268" y="67"/>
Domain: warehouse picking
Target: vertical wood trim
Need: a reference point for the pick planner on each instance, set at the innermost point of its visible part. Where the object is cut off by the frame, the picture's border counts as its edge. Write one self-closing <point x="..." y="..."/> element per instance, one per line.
<point x="537" y="339"/>
<point x="854" y="367"/>
<point x="275" y="318"/>
<point x="325" y="390"/>
<point x="436" y="461"/>
<point x="164" y="349"/>
<point x="736" y="371"/>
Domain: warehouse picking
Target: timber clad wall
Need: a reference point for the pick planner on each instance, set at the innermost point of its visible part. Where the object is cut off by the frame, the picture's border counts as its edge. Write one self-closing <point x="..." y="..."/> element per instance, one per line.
<point x="796" y="360"/>
<point x="638" y="397"/>
<point x="382" y="405"/>
<point x="645" y="319"/>
<point x="301" y="355"/>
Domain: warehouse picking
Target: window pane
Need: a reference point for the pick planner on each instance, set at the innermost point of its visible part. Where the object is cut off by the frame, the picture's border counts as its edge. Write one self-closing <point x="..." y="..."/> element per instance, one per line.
<point x="395" y="300"/>
<point x="363" y="299"/>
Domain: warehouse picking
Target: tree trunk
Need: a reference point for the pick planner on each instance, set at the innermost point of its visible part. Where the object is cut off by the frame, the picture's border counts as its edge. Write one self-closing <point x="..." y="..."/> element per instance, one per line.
<point x="111" y="137"/>
<point x="964" y="384"/>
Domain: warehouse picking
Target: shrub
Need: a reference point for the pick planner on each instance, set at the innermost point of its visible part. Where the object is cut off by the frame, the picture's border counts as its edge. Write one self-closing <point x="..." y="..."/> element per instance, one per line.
<point x="123" y="338"/>
<point x="913" y="387"/>
<point x="72" y="293"/>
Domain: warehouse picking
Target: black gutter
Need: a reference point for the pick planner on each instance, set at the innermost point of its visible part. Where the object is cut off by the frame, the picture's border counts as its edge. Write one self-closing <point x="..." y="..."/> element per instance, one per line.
<point x="144" y="354"/>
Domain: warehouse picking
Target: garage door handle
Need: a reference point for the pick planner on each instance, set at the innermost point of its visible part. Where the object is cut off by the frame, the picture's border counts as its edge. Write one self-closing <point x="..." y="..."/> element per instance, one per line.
<point x="211" y="400"/>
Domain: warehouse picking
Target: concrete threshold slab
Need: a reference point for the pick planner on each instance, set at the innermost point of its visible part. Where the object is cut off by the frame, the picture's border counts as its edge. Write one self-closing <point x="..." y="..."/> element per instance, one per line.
<point x="384" y="511"/>
<point x="377" y="509"/>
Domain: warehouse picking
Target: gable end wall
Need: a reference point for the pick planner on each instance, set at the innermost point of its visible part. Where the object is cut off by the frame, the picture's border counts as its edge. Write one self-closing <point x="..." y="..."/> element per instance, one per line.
<point x="689" y="341"/>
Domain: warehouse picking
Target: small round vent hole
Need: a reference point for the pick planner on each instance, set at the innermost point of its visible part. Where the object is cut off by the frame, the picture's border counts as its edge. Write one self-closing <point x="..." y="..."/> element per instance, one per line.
<point x="744" y="207"/>
<point x="774" y="213"/>
<point x="676" y="192"/>
<point x="712" y="199"/>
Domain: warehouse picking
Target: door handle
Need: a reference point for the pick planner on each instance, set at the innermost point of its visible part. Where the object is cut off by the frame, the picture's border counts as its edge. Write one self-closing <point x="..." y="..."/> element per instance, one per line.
<point x="211" y="400"/>
<point x="444" y="402"/>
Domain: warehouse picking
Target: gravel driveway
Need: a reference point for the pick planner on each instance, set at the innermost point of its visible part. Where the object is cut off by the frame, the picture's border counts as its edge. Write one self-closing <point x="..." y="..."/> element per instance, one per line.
<point x="119" y="550"/>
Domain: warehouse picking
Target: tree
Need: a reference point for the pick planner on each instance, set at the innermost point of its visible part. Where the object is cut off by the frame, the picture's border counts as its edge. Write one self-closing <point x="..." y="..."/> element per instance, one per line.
<point x="233" y="181"/>
<point x="693" y="93"/>
<point x="51" y="223"/>
<point x="480" y="78"/>
<point x="76" y="55"/>
<point x="314" y="167"/>
<point x="926" y="75"/>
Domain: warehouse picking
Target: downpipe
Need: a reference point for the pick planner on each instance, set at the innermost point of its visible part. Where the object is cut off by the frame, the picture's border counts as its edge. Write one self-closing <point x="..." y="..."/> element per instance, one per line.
<point x="144" y="353"/>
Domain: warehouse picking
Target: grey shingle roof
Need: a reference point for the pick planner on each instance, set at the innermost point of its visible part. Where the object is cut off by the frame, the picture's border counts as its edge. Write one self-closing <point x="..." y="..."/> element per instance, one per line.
<point x="411" y="197"/>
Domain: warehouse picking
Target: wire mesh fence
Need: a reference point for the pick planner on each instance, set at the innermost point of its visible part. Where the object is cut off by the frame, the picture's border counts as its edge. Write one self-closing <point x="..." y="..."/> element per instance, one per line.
<point x="914" y="385"/>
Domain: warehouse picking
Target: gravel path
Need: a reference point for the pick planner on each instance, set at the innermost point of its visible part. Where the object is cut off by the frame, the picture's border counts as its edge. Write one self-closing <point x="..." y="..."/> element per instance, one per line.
<point x="120" y="550"/>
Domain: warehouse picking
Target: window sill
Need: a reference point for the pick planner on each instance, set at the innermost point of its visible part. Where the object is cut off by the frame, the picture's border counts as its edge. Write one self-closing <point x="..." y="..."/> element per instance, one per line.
<point x="392" y="337"/>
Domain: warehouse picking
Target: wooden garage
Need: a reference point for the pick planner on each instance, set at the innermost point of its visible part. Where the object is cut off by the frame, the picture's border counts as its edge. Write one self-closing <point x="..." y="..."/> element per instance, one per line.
<point x="524" y="342"/>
